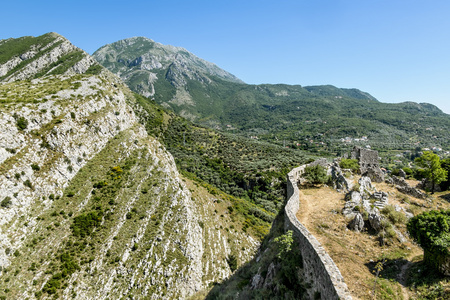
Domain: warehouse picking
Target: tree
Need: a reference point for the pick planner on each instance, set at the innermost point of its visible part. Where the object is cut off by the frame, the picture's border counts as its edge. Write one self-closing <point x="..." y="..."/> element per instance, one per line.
<point x="431" y="230"/>
<point x="431" y="167"/>
<point x="445" y="164"/>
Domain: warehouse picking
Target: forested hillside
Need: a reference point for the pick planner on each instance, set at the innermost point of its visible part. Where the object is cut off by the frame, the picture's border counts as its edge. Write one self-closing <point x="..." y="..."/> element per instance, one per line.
<point x="315" y="118"/>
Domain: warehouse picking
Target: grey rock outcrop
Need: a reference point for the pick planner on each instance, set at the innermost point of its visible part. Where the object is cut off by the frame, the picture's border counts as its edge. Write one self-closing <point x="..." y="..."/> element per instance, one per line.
<point x="375" y="174"/>
<point x="375" y="219"/>
<point x="381" y="199"/>
<point x="257" y="282"/>
<point x="402" y="186"/>
<point x="49" y="54"/>
<point x="353" y="199"/>
<point x="357" y="224"/>
<point x="339" y="181"/>
<point x="409" y="190"/>
<point x="427" y="185"/>
<point x="365" y="185"/>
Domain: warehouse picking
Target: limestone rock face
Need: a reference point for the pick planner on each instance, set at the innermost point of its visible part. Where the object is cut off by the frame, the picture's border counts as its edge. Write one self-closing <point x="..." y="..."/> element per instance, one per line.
<point x="376" y="175"/>
<point x="257" y="282"/>
<point x="73" y="152"/>
<point x="52" y="49"/>
<point x="381" y="199"/>
<point x="146" y="65"/>
<point x="357" y="224"/>
<point x="353" y="199"/>
<point x="403" y="187"/>
<point x="426" y="185"/>
<point x="339" y="181"/>
<point x="365" y="185"/>
<point x="375" y="219"/>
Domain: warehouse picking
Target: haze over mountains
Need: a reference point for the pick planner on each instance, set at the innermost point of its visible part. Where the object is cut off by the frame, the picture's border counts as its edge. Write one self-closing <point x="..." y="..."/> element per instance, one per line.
<point x="203" y="93"/>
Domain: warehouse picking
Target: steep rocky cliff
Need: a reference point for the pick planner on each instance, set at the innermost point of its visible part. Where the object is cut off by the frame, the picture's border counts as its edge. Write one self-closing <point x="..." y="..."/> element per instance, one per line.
<point x="92" y="206"/>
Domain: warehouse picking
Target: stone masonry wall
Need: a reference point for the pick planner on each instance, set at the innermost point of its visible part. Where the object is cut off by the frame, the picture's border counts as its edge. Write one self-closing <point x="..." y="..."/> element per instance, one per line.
<point x="318" y="267"/>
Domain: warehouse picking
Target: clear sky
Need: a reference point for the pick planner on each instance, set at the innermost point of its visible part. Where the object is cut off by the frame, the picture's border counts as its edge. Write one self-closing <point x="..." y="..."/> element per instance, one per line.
<point x="396" y="50"/>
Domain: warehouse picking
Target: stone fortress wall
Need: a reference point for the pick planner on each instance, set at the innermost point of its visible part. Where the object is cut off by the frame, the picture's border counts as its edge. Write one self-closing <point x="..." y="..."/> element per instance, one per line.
<point x="318" y="268"/>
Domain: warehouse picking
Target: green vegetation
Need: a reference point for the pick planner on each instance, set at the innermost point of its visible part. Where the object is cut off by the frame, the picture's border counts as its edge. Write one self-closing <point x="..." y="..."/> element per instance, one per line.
<point x="431" y="168"/>
<point x="313" y="118"/>
<point x="35" y="167"/>
<point x="12" y="47"/>
<point x="245" y="169"/>
<point x="284" y="243"/>
<point x="431" y="230"/>
<point x="396" y="217"/>
<point x="6" y="202"/>
<point x="64" y="63"/>
<point x="351" y="164"/>
<point x="277" y="254"/>
<point x="22" y="123"/>
<point x="84" y="224"/>
<point x="315" y="175"/>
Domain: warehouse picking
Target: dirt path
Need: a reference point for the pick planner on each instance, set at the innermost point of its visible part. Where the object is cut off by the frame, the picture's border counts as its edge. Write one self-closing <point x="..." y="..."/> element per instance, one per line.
<point x="403" y="279"/>
<point x="403" y="274"/>
<point x="303" y="213"/>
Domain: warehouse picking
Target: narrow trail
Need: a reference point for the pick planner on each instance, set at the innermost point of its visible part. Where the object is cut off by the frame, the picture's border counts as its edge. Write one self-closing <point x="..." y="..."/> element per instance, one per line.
<point x="403" y="279"/>
<point x="402" y="276"/>
<point x="303" y="213"/>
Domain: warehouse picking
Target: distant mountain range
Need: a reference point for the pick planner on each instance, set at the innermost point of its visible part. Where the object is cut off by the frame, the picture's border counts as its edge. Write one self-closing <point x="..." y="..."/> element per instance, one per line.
<point x="207" y="95"/>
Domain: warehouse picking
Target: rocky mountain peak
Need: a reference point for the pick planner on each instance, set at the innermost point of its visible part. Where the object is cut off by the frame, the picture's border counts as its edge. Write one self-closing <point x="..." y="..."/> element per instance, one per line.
<point x="140" y="57"/>
<point x="49" y="54"/>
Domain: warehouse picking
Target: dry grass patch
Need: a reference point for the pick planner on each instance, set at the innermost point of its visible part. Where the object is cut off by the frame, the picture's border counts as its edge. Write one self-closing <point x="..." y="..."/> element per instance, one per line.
<point x="354" y="253"/>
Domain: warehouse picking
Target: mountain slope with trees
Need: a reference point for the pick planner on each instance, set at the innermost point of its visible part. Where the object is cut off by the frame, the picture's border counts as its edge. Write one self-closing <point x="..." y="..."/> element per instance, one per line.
<point x="311" y="117"/>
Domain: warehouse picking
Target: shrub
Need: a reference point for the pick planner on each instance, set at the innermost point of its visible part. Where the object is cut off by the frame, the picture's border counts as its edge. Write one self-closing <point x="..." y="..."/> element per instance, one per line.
<point x="284" y="244"/>
<point x="35" y="167"/>
<point x="351" y="164"/>
<point x="22" y="123"/>
<point x="84" y="224"/>
<point x="396" y="217"/>
<point x="100" y="184"/>
<point x="28" y="183"/>
<point x="6" y="202"/>
<point x="232" y="262"/>
<point x="431" y="229"/>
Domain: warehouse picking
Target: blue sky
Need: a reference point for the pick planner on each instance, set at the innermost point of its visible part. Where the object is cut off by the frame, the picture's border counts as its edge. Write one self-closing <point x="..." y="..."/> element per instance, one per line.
<point x="395" y="50"/>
